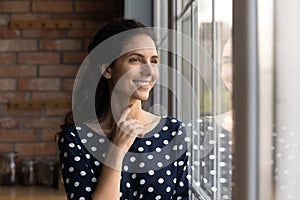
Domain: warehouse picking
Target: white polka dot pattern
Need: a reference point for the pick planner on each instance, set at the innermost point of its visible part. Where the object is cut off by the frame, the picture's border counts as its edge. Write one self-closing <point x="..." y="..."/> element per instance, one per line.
<point x="213" y="172"/>
<point x="164" y="177"/>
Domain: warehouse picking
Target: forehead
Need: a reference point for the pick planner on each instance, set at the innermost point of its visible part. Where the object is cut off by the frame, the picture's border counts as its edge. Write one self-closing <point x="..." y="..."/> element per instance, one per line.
<point x="138" y="43"/>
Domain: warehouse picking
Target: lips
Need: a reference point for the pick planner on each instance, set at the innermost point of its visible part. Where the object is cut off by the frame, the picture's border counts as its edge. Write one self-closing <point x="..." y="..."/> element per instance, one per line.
<point x="141" y="83"/>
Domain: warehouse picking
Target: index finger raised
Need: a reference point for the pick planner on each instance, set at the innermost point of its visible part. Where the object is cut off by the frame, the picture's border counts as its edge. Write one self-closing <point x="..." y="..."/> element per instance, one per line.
<point x="125" y="113"/>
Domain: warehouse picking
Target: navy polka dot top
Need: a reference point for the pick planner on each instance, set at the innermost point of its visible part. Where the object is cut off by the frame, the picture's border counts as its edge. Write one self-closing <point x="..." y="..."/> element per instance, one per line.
<point x="155" y="166"/>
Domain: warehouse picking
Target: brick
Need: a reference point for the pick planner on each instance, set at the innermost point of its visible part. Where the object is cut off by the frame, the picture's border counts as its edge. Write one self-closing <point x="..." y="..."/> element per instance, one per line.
<point x="74" y="57"/>
<point x="41" y="33"/>
<point x="7" y="96"/>
<point x="6" y="147"/>
<point x="2" y="110"/>
<point x="29" y="16"/>
<point x="18" y="135"/>
<point x="39" y="84"/>
<point x="17" y="45"/>
<point x="7" y="123"/>
<point x="51" y="95"/>
<point x="58" y="111"/>
<point x="39" y="58"/>
<point x="67" y="84"/>
<point x="9" y="33"/>
<point x="7" y="6"/>
<point x="4" y="19"/>
<point x="80" y="33"/>
<point x="32" y="64"/>
<point x="48" y="135"/>
<point x="60" y="45"/>
<point x="94" y="6"/>
<point x="86" y="43"/>
<point x="52" y="6"/>
<point x="7" y="84"/>
<point x="93" y="16"/>
<point x="41" y="148"/>
<point x="58" y="70"/>
<point x="42" y="122"/>
<point x="7" y="58"/>
<point x="15" y="112"/>
<point x="17" y="70"/>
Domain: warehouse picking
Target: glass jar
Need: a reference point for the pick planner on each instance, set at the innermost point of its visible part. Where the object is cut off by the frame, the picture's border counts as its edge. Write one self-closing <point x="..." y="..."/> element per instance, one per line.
<point x="48" y="172"/>
<point x="8" y="169"/>
<point x="29" y="176"/>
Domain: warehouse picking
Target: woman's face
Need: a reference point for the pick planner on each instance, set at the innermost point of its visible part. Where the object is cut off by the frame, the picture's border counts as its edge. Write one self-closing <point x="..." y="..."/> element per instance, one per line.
<point x="134" y="73"/>
<point x="227" y="65"/>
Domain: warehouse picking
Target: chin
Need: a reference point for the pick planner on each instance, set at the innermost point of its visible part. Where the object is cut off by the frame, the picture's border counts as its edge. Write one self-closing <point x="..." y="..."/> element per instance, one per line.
<point x="141" y="97"/>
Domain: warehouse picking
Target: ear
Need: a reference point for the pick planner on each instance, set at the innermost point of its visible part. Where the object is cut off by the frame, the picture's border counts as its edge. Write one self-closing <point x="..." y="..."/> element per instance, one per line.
<point x="105" y="70"/>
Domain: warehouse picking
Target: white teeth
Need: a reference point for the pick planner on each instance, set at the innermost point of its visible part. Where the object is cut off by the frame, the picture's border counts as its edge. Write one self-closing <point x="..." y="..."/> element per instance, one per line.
<point x="142" y="83"/>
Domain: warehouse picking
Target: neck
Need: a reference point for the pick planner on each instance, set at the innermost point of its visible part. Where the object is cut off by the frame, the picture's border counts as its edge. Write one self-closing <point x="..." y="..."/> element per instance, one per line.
<point x="226" y="120"/>
<point x="118" y="106"/>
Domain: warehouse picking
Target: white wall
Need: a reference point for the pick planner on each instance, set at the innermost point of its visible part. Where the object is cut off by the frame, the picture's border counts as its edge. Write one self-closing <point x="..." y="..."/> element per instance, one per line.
<point x="287" y="57"/>
<point x="140" y="10"/>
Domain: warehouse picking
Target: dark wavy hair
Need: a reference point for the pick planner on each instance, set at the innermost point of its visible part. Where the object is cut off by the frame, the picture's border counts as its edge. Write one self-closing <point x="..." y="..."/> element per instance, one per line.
<point x="102" y="96"/>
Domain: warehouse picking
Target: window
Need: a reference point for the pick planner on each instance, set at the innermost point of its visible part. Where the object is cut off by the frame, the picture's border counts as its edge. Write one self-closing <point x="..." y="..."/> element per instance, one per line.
<point x="266" y="96"/>
<point x="199" y="94"/>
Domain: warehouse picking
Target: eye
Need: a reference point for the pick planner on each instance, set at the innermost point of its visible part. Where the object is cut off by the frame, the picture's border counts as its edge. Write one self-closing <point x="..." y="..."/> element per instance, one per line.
<point x="135" y="60"/>
<point x="154" y="61"/>
<point x="227" y="60"/>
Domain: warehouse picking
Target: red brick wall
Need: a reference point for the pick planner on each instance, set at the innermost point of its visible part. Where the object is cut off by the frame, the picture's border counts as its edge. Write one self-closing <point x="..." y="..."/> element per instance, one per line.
<point x="39" y="64"/>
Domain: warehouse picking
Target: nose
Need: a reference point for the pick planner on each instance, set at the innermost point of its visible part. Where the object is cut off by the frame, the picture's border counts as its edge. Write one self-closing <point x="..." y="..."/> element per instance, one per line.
<point x="147" y="69"/>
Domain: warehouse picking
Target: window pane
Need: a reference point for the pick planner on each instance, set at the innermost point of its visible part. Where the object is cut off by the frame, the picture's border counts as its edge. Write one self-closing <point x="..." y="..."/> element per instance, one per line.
<point x="287" y="95"/>
<point x="210" y="75"/>
<point x="203" y="84"/>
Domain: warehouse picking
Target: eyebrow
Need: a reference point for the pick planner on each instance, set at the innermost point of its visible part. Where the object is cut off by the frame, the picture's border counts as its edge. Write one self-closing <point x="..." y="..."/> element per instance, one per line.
<point x="141" y="55"/>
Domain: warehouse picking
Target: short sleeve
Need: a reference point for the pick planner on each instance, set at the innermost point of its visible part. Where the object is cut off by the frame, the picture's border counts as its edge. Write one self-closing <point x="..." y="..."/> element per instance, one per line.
<point x="78" y="175"/>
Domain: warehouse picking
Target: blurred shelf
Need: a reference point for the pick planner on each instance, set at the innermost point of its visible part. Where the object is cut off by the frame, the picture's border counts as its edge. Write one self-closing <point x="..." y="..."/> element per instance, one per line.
<point x="38" y="104"/>
<point x="51" y="24"/>
<point x="31" y="193"/>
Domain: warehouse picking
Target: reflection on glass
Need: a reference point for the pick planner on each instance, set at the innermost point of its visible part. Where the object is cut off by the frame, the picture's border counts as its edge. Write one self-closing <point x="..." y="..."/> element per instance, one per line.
<point x="209" y="124"/>
<point x="211" y="127"/>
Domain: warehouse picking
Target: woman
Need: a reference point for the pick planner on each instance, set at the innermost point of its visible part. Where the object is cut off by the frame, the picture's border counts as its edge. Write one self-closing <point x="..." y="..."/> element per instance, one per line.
<point x="135" y="154"/>
<point x="216" y="161"/>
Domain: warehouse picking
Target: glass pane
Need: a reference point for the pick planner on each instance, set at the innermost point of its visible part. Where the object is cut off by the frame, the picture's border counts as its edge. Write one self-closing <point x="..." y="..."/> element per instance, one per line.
<point x="287" y="95"/>
<point x="210" y="75"/>
<point x="203" y="85"/>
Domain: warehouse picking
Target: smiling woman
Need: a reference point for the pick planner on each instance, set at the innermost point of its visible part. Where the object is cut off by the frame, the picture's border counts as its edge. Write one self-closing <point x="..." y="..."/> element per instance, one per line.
<point x="136" y="69"/>
<point x="125" y="152"/>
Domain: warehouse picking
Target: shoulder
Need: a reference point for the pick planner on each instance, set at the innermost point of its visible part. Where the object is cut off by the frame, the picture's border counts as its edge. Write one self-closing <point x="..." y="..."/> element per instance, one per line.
<point x="69" y="136"/>
<point x="67" y="130"/>
<point x="173" y="121"/>
<point x="72" y="130"/>
<point x="173" y="125"/>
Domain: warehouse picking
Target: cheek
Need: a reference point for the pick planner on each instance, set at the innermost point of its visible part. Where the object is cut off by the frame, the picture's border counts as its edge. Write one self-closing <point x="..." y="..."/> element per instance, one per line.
<point x="155" y="75"/>
<point x="121" y="74"/>
<point x="119" y="81"/>
<point x="227" y="73"/>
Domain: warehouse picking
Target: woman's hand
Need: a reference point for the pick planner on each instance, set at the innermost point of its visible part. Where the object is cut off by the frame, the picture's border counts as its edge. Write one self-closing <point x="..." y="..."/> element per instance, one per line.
<point x="127" y="130"/>
<point x="123" y="137"/>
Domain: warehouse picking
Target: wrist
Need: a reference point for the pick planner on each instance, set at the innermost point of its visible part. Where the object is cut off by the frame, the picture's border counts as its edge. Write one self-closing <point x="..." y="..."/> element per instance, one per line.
<point x="114" y="157"/>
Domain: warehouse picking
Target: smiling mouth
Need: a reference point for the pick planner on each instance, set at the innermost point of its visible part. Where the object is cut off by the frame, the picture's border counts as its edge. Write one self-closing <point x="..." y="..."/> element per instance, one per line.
<point x="142" y="83"/>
